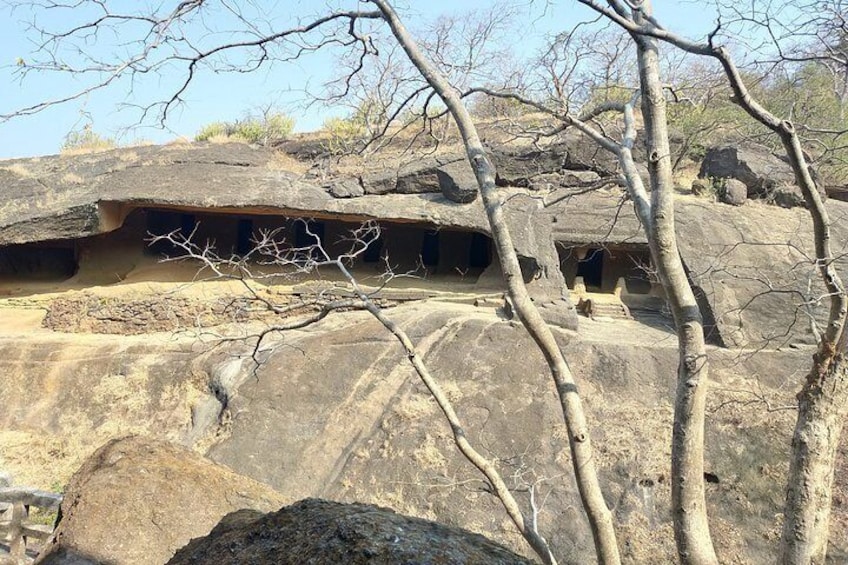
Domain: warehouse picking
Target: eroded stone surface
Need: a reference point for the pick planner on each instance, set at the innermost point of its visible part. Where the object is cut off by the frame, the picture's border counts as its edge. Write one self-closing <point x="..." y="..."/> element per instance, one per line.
<point x="335" y="411"/>
<point x="54" y="198"/>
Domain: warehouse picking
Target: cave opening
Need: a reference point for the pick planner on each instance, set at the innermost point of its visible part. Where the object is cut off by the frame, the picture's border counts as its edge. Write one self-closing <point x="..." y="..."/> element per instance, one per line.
<point x="430" y="248"/>
<point x="603" y="269"/>
<point x="244" y="236"/>
<point x="445" y="257"/>
<point x="39" y="262"/>
<point x="591" y="268"/>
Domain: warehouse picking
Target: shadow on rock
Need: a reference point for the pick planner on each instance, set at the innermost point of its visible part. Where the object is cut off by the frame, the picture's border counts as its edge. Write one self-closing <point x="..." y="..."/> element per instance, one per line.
<point x="319" y="531"/>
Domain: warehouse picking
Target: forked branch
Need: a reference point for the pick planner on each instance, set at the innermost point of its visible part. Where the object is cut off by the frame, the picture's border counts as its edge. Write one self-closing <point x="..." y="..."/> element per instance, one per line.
<point x="271" y="251"/>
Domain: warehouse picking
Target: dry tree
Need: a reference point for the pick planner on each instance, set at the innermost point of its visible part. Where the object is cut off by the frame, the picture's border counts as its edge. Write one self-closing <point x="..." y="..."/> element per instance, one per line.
<point x="271" y="258"/>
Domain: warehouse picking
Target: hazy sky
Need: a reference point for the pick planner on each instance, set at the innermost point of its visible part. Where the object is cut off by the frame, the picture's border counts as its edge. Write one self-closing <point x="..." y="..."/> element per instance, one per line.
<point x="229" y="96"/>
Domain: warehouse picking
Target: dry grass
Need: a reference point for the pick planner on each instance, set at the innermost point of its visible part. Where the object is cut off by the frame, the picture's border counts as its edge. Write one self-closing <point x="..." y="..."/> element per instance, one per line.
<point x="684" y="176"/>
<point x="282" y="161"/>
<point x="429" y="455"/>
<point x="88" y="149"/>
<point x="416" y="407"/>
<point x="178" y="142"/>
<point x="44" y="201"/>
<point x="128" y="156"/>
<point x="39" y="460"/>
<point x="226" y="139"/>
<point x="72" y="178"/>
<point x="19" y="170"/>
<point x="46" y="460"/>
<point x="140" y="143"/>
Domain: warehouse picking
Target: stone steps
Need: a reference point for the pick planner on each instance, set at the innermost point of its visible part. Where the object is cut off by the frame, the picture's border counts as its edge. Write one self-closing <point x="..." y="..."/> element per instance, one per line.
<point x="595" y="309"/>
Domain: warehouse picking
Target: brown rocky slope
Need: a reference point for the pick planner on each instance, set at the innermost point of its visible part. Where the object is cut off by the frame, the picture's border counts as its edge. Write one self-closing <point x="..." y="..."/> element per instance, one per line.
<point x="335" y="412"/>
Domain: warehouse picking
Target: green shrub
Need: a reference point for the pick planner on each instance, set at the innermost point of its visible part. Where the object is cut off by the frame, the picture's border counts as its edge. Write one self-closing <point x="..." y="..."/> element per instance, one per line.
<point x="279" y="126"/>
<point x="344" y="134"/>
<point x="264" y="130"/>
<point x="86" y="140"/>
<point x="249" y="130"/>
<point x="215" y="129"/>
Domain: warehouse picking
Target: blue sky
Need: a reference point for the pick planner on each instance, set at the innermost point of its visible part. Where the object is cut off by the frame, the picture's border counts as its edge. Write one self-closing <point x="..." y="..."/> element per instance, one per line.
<point x="228" y="96"/>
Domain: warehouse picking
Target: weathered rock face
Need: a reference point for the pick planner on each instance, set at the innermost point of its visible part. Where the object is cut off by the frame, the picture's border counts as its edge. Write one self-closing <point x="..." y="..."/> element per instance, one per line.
<point x="71" y="197"/>
<point x="319" y="531"/>
<point x="61" y="198"/>
<point x="751" y="262"/>
<point x="56" y="198"/>
<point x="66" y="395"/>
<point x="351" y="423"/>
<point x="457" y="182"/>
<point x="91" y="314"/>
<point x="767" y="176"/>
<point x="335" y="411"/>
<point x="137" y="500"/>
<point x="756" y="291"/>
<point x="573" y="160"/>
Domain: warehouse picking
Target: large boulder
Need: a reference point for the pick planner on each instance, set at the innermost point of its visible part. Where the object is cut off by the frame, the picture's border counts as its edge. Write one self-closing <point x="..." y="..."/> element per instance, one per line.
<point x="420" y="177"/>
<point x="138" y="500"/>
<point x="766" y="175"/>
<point x="735" y="192"/>
<point x="570" y="161"/>
<point x="319" y="531"/>
<point x="451" y="175"/>
<point x="457" y="182"/>
<point x="522" y="166"/>
<point x="837" y="192"/>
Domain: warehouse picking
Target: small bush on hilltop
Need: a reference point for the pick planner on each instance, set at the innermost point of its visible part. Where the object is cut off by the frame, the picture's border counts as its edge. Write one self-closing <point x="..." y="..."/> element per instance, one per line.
<point x="210" y="131"/>
<point x="264" y="130"/>
<point x="86" y="140"/>
<point x="344" y="134"/>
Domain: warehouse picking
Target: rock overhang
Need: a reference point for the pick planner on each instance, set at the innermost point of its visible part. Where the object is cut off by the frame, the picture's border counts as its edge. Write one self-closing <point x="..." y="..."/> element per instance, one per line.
<point x="727" y="250"/>
<point x="63" y="196"/>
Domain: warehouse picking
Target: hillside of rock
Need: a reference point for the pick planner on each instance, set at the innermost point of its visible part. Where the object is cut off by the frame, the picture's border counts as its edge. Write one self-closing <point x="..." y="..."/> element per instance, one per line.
<point x="103" y="337"/>
<point x="335" y="412"/>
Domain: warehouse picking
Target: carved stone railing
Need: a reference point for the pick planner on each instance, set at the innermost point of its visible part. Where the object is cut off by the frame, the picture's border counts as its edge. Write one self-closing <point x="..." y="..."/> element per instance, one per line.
<point x="15" y="528"/>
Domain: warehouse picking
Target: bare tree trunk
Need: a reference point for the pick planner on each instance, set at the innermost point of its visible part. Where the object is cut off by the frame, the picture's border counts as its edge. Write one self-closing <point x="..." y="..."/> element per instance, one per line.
<point x="600" y="517"/>
<point x="691" y="525"/>
<point x="823" y="400"/>
<point x="822" y="407"/>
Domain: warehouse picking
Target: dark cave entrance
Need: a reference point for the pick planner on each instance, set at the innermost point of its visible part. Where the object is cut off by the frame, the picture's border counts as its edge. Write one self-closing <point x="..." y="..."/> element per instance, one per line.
<point x="430" y="249"/>
<point x="591" y="268"/>
<point x="244" y="236"/>
<point x="423" y="250"/>
<point x="602" y="269"/>
<point x="430" y="254"/>
<point x="480" y="254"/>
<point x="53" y="261"/>
<point x="162" y="222"/>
